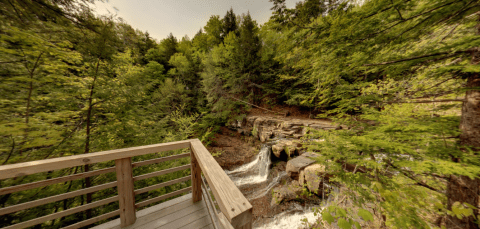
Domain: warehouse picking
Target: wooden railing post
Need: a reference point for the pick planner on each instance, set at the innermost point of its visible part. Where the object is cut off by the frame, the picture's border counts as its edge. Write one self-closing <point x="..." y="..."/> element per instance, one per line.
<point x="126" y="195"/>
<point x="196" y="178"/>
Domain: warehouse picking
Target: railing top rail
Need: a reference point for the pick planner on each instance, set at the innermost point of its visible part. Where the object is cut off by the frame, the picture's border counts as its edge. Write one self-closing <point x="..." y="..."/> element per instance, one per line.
<point x="32" y="167"/>
<point x="233" y="204"/>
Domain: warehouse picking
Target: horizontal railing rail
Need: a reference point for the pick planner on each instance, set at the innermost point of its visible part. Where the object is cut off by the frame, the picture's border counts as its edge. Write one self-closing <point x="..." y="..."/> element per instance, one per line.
<point x="32" y="167"/>
<point x="233" y="205"/>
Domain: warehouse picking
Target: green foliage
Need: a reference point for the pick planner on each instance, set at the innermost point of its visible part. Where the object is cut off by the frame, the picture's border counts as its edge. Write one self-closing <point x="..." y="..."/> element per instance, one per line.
<point x="462" y="210"/>
<point x="287" y="150"/>
<point x="255" y="131"/>
<point x="74" y="83"/>
<point x="214" y="30"/>
<point x="366" y="215"/>
<point x="217" y="153"/>
<point x="229" y="24"/>
<point x="367" y="66"/>
<point x="68" y="90"/>
<point x="155" y="71"/>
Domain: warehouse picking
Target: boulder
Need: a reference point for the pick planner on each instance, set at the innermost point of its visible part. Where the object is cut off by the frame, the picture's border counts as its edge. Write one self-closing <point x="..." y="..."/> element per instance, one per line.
<point x="301" y="177"/>
<point x="297" y="136"/>
<point x="288" y="147"/>
<point x="296" y="165"/>
<point x="258" y="122"/>
<point x="286" y="192"/>
<point x="315" y="175"/>
<point x="292" y="125"/>
<point x="318" y="140"/>
<point x="264" y="135"/>
<point x="277" y="150"/>
<point x="288" y="133"/>
<point x="251" y="119"/>
<point x="305" y="131"/>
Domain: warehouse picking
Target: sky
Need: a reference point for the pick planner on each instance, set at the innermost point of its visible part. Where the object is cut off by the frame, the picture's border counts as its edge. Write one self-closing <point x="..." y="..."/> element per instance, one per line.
<point x="181" y="17"/>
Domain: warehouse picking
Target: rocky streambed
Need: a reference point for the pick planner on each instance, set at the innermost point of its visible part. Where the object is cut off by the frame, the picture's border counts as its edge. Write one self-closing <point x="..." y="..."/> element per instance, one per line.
<point x="282" y="182"/>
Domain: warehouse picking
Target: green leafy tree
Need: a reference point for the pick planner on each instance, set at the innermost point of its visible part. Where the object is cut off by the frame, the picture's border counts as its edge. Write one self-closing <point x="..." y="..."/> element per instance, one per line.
<point x="214" y="30"/>
<point x="370" y="66"/>
<point x="155" y="70"/>
<point x="200" y="42"/>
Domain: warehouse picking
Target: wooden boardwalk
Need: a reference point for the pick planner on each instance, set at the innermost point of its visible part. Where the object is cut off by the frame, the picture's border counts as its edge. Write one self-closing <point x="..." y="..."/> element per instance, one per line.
<point x="234" y="211"/>
<point x="177" y="213"/>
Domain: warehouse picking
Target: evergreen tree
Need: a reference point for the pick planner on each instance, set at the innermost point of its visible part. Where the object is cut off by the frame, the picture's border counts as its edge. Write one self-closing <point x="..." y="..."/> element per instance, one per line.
<point x="249" y="59"/>
<point x="144" y="44"/>
<point x="229" y="24"/>
<point x="169" y="46"/>
<point x="279" y="11"/>
<point x="164" y="51"/>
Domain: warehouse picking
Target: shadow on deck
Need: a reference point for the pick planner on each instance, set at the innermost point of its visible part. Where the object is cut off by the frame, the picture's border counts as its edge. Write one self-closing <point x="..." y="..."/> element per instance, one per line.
<point x="177" y="213"/>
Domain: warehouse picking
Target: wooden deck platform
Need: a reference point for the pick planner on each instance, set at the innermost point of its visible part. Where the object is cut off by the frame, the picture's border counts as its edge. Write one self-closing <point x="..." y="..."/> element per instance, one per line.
<point x="177" y="213"/>
<point x="234" y="210"/>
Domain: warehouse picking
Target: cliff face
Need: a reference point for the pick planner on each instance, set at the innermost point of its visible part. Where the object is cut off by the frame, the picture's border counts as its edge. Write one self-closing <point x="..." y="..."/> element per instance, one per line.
<point x="265" y="128"/>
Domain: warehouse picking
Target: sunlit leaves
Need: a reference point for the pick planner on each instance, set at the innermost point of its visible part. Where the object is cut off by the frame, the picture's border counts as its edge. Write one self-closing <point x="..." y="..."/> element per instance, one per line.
<point x="366" y="215"/>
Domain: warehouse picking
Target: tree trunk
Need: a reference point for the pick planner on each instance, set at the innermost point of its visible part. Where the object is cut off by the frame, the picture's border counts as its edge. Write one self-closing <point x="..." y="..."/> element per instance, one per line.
<point x="30" y="86"/>
<point x="87" y="140"/>
<point x="461" y="188"/>
<point x="29" y="98"/>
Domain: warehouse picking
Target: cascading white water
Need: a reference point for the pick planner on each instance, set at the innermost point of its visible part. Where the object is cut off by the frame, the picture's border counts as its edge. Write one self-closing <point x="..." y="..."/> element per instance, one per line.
<point x="266" y="190"/>
<point x="254" y="172"/>
<point x="289" y="220"/>
<point x="254" y="175"/>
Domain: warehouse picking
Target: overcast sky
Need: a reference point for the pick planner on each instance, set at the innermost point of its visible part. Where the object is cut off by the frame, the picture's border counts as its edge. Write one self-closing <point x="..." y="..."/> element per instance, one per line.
<point x="181" y="17"/>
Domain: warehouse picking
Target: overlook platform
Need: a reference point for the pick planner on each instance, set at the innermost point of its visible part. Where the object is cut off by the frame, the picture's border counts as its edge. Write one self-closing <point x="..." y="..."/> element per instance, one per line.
<point x="196" y="209"/>
<point x="179" y="213"/>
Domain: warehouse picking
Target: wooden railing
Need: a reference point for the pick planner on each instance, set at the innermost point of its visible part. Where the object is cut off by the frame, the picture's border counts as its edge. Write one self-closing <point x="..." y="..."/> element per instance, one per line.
<point x="236" y="211"/>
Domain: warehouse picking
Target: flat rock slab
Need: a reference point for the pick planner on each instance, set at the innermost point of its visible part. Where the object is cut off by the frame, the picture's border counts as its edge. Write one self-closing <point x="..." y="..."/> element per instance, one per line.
<point x="297" y="164"/>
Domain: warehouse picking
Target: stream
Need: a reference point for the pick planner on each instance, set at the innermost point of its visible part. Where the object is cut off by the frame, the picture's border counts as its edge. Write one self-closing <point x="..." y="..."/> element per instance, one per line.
<point x="253" y="181"/>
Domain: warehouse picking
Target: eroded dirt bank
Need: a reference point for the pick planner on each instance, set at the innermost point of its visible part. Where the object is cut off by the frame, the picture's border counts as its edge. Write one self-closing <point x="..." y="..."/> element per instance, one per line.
<point x="232" y="149"/>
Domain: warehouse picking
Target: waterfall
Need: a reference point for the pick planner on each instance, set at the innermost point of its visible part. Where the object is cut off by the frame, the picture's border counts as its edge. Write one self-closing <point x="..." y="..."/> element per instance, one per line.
<point x="252" y="179"/>
<point x="254" y="172"/>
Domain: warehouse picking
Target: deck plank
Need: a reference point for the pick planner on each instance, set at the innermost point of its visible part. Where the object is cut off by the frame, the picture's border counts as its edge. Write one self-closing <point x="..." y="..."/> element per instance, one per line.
<point x="178" y="218"/>
<point x="185" y="219"/>
<point x="210" y="226"/>
<point x="199" y="223"/>
<point x="161" y="214"/>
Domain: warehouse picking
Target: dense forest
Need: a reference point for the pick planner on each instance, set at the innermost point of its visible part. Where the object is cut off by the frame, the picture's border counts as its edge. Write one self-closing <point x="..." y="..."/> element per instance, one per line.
<point x="403" y="75"/>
